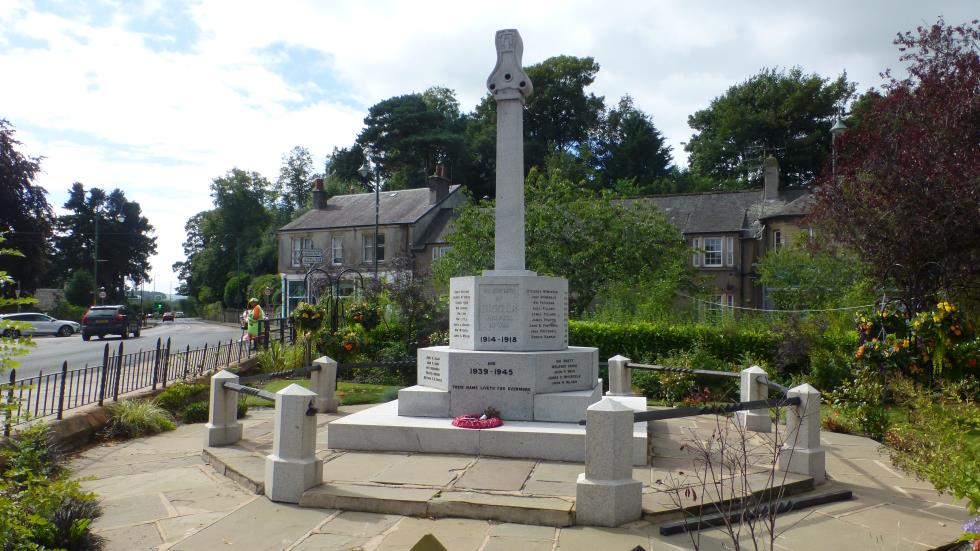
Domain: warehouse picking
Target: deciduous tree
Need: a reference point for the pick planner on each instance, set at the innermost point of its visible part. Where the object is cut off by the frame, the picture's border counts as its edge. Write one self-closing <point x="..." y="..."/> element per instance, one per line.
<point x="785" y="114"/>
<point x="26" y="217"/>
<point x="907" y="185"/>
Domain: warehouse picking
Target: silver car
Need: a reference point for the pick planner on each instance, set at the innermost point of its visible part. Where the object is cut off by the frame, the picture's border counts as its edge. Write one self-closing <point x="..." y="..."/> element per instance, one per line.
<point x="40" y="324"/>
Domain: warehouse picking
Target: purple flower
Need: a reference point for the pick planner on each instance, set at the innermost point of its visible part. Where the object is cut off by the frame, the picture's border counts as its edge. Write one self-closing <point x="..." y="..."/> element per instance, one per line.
<point x="972" y="526"/>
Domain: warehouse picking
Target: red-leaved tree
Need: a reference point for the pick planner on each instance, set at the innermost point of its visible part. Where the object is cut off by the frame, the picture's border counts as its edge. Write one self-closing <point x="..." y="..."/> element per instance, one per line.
<point x="907" y="185"/>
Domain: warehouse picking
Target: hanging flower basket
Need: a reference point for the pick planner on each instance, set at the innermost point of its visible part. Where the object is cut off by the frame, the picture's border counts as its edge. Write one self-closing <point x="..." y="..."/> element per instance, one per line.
<point x="473" y="421"/>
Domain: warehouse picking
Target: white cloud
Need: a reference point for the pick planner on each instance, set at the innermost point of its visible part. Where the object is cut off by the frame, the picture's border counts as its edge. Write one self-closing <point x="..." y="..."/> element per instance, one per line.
<point x="106" y="106"/>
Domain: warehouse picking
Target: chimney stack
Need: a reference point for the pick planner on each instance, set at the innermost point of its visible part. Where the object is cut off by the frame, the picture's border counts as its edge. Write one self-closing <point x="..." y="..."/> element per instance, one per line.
<point x="770" y="175"/>
<point x="319" y="195"/>
<point x="438" y="184"/>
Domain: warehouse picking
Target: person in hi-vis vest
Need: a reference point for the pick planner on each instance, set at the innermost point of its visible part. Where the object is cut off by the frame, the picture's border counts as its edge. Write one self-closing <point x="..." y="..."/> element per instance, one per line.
<point x="255" y="314"/>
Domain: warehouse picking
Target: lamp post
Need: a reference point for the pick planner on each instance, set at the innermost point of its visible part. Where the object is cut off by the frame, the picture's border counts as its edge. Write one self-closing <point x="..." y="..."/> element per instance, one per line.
<point x="366" y="173"/>
<point x="835" y="131"/>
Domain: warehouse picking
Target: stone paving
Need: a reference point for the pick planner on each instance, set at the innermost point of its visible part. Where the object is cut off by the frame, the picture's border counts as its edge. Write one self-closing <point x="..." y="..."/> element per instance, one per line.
<point x="158" y="494"/>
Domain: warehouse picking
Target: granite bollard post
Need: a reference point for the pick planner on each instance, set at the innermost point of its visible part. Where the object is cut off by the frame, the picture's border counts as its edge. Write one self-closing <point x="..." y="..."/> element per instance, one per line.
<point x="324" y="383"/>
<point x="223" y="427"/>
<point x="750" y="389"/>
<point x="606" y="494"/>
<point x="801" y="452"/>
<point x="620" y="377"/>
<point x="292" y="467"/>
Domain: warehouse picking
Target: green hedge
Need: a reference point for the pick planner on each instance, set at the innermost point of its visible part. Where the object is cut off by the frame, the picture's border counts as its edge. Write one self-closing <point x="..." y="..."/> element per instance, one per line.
<point x="647" y="341"/>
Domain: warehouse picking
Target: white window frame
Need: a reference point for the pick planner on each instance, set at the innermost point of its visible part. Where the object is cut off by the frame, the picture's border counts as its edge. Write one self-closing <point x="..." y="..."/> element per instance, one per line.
<point x="337" y="250"/>
<point x="777" y="239"/>
<point x="297" y="244"/>
<point x="712" y="252"/>
<point x="729" y="251"/>
<point x="369" y="249"/>
<point x="438" y="251"/>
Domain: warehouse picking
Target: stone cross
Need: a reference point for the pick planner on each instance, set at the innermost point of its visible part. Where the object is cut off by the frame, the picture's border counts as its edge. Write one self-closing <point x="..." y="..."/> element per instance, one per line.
<point x="509" y="85"/>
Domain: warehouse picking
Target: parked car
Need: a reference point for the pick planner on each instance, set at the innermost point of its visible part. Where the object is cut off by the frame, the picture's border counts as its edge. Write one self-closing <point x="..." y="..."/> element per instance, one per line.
<point x="110" y="320"/>
<point x="179" y="314"/>
<point x="40" y="324"/>
<point x="168" y="316"/>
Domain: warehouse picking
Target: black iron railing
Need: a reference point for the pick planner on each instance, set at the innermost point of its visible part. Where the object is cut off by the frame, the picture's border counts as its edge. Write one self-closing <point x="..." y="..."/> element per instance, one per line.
<point x="50" y="394"/>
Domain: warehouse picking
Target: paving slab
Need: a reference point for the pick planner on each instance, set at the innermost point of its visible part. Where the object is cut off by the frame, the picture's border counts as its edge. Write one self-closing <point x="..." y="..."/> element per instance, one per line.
<point x="220" y="497"/>
<point x="359" y="467"/>
<point x="423" y="470"/>
<point x="523" y="531"/>
<point x="331" y="542"/>
<point x="453" y="534"/>
<point x="557" y="472"/>
<point x="175" y="529"/>
<point x="133" y="538"/>
<point x="513" y="544"/>
<point x="131" y="510"/>
<point x="259" y="525"/>
<point x="355" y="523"/>
<point x="496" y="474"/>
<point x="149" y="483"/>
<point x="580" y="538"/>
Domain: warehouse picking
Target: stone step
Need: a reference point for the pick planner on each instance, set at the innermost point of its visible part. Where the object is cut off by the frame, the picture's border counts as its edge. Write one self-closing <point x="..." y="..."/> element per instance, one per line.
<point x="433" y="503"/>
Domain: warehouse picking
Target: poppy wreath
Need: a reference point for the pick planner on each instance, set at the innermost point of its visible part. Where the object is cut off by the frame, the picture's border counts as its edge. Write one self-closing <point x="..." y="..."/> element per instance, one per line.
<point x="488" y="420"/>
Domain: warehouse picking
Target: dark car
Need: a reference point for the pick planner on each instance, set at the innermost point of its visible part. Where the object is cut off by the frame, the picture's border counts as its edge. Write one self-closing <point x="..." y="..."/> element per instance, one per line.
<point x="167" y="316"/>
<point x="110" y="320"/>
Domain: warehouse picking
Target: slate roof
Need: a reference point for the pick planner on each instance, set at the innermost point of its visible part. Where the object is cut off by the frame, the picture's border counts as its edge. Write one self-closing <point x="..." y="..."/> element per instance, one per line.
<point x="434" y="233"/>
<point x="403" y="206"/>
<point x="725" y="211"/>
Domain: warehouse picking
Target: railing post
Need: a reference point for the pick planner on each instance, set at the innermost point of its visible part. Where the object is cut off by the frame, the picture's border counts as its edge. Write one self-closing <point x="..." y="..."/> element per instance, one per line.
<point x="750" y="390"/>
<point x="292" y="467"/>
<point x="118" y="381"/>
<point x="265" y="335"/>
<point x="61" y="390"/>
<point x="606" y="494"/>
<point x="105" y="373"/>
<point x="204" y="361"/>
<point x="166" y="364"/>
<point x="228" y="355"/>
<point x="801" y="452"/>
<point x="187" y="359"/>
<point x="620" y="377"/>
<point x="156" y="364"/>
<point x="324" y="383"/>
<point x="223" y="427"/>
<point x="9" y="417"/>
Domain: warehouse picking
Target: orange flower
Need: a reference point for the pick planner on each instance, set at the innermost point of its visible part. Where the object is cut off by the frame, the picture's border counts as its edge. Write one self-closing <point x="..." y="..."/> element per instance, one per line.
<point x="860" y="352"/>
<point x="348" y="346"/>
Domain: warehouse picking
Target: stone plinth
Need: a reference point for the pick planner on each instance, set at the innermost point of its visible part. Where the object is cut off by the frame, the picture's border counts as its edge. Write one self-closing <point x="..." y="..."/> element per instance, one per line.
<point x="223" y="427"/>
<point x="292" y="467"/>
<point x="508" y="313"/>
<point x="606" y="494"/>
<point x="508" y="381"/>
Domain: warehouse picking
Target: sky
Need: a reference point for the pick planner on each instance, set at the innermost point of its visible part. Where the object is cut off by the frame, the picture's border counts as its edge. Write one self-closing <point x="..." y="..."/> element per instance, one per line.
<point x="158" y="98"/>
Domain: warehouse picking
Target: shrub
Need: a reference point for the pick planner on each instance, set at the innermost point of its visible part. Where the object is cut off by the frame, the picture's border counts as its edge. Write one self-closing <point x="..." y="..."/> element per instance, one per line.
<point x="649" y="340"/>
<point x="177" y="396"/>
<point x="32" y="451"/>
<point x="195" y="412"/>
<point x="40" y="508"/>
<point x="241" y="409"/>
<point x="389" y="395"/>
<point x="132" y="418"/>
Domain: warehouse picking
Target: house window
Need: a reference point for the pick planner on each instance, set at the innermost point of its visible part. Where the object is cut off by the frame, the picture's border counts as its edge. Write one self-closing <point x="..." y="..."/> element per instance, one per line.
<point x="729" y="251"/>
<point x="712" y="252"/>
<point x="369" y="248"/>
<point x="777" y="239"/>
<point x="298" y="244"/>
<point x="337" y="250"/>
<point x="439" y="251"/>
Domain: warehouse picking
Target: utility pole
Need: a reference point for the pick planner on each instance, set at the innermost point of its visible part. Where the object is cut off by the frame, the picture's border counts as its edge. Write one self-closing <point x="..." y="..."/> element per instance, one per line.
<point x="95" y="258"/>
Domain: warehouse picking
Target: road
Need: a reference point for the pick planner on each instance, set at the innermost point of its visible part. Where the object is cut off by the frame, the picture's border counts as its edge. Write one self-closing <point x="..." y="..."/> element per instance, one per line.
<point x="50" y="352"/>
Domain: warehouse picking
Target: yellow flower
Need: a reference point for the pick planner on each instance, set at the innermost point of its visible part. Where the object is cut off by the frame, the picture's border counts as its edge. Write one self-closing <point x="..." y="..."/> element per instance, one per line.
<point x="860" y="352"/>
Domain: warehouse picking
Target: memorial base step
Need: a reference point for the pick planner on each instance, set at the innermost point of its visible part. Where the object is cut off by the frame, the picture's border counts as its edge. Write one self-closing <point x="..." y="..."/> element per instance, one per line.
<point x="380" y="428"/>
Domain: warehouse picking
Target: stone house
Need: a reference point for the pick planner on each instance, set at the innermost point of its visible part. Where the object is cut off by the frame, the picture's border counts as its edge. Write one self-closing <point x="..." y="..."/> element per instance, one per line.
<point x="338" y="234"/>
<point x="730" y="231"/>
